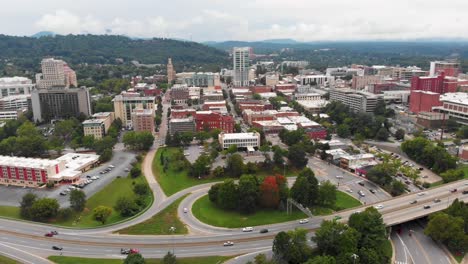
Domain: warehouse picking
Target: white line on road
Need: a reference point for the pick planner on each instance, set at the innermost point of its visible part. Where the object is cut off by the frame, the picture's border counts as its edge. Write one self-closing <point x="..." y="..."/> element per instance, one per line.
<point x="405" y="249"/>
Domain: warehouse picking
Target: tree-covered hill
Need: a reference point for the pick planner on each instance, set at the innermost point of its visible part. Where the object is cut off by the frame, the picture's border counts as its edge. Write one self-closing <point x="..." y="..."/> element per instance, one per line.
<point x="27" y="52"/>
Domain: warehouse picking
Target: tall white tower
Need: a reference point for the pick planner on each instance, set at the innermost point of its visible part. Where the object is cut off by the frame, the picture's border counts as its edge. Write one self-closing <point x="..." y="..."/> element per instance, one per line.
<point x="241" y="62"/>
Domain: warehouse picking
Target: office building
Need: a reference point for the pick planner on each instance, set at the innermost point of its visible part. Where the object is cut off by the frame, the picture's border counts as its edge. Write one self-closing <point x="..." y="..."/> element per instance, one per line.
<point x="143" y="120"/>
<point x="199" y="79"/>
<point x="455" y="105"/>
<point x="125" y="103"/>
<point x="181" y="125"/>
<point x="315" y="80"/>
<point x="180" y="94"/>
<point x="448" y="68"/>
<point x="32" y="172"/>
<point x="11" y="114"/>
<point x="59" y="103"/>
<point x="14" y="102"/>
<point x="436" y="84"/>
<point x="357" y="101"/>
<point x="241" y="140"/>
<point x="15" y="86"/>
<point x="423" y="101"/>
<point x="94" y="128"/>
<point x="170" y="71"/>
<point x="361" y="82"/>
<point x="241" y="62"/>
<point x="209" y="120"/>
<point x="55" y="73"/>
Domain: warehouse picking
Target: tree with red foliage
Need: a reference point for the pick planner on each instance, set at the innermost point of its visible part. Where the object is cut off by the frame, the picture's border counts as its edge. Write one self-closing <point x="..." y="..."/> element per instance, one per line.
<point x="269" y="192"/>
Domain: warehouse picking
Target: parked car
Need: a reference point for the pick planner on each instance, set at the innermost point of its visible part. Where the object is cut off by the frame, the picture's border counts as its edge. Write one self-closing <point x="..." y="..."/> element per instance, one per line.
<point x="453" y="190"/>
<point x="421" y="193"/>
<point x="247" y="229"/>
<point x="361" y="193"/>
<point x="303" y="221"/>
<point x="339" y="177"/>
<point x="264" y="230"/>
<point x="436" y="200"/>
<point x="361" y="183"/>
<point x="465" y="192"/>
<point x="63" y="193"/>
<point x="228" y="243"/>
<point x="372" y="190"/>
<point x="337" y="217"/>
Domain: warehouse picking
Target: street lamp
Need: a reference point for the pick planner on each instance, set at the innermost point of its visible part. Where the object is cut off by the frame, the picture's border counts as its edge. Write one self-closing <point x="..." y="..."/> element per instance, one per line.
<point x="172" y="229"/>
<point x="354" y="256"/>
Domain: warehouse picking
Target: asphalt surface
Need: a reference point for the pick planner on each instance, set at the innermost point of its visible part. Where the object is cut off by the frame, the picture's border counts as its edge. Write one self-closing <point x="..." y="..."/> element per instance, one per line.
<point x="417" y="248"/>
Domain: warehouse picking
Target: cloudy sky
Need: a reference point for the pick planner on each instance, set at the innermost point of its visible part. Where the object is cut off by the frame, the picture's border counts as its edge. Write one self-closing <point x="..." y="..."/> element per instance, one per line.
<point x="203" y="20"/>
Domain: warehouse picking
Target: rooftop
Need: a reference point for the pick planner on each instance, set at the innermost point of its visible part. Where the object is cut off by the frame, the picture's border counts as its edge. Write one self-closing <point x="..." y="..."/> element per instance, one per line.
<point x="93" y="122"/>
<point x="457" y="98"/>
<point x="27" y="162"/>
<point x="240" y="135"/>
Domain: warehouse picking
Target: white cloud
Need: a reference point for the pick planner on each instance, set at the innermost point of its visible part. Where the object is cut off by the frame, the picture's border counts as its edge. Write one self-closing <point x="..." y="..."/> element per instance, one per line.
<point x="261" y="19"/>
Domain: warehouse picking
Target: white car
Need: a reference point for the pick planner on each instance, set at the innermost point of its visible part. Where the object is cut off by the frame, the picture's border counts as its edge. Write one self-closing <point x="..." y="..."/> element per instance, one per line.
<point x="379" y="206"/>
<point x="185" y="210"/>
<point x="421" y="193"/>
<point x="247" y="229"/>
<point x="228" y="243"/>
<point x="303" y="221"/>
<point x="349" y="190"/>
<point x="339" y="177"/>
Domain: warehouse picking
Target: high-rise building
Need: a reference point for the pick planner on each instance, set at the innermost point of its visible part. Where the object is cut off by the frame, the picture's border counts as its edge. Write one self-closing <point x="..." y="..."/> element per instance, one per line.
<point x="241" y="62"/>
<point x="55" y="73"/>
<point x="60" y="102"/>
<point x="125" y="103"/>
<point x="143" y="120"/>
<point x="15" y="86"/>
<point x="357" y="101"/>
<point x="449" y="68"/>
<point x="170" y="71"/>
<point x="99" y="125"/>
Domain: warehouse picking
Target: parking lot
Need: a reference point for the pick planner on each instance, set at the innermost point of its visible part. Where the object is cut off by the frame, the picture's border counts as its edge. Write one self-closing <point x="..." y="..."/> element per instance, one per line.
<point x="12" y="195"/>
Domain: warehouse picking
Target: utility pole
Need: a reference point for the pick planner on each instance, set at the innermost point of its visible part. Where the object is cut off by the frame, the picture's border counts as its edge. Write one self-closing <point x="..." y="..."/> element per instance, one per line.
<point x="172" y="229"/>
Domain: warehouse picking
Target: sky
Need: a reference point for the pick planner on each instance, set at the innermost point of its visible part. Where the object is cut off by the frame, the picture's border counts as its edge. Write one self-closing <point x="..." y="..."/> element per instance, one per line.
<point x="247" y="20"/>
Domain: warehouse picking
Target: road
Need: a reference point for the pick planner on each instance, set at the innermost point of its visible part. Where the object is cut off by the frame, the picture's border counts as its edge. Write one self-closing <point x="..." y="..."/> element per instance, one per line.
<point x="417" y="248"/>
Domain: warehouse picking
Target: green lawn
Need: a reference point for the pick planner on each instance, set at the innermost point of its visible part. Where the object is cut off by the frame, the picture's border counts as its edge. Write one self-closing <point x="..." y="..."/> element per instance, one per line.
<point x="107" y="197"/>
<point x="173" y="181"/>
<point x="6" y="260"/>
<point x="465" y="170"/>
<point x="10" y="212"/>
<point x="77" y="260"/>
<point x="345" y="201"/>
<point x="160" y="223"/>
<point x="208" y="213"/>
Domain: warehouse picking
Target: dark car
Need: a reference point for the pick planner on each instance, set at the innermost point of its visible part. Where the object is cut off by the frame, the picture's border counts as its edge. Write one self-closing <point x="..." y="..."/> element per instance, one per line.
<point x="57" y="248"/>
<point x="264" y="230"/>
<point x="413" y="202"/>
<point x="54" y="232"/>
<point x="465" y="192"/>
<point x="427" y="206"/>
<point x="455" y="190"/>
<point x="361" y="183"/>
<point x="437" y="200"/>
<point x="372" y="190"/>
<point x="63" y="193"/>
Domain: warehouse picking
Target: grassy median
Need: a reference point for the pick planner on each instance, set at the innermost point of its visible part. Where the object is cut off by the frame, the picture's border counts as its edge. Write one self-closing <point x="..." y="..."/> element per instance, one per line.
<point x="194" y="260"/>
<point x="160" y="223"/>
<point x="208" y="213"/>
<point x="6" y="260"/>
<point x="172" y="181"/>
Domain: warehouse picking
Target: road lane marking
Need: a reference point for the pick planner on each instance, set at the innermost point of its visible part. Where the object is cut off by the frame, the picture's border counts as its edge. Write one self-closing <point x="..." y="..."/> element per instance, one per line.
<point x="405" y="249"/>
<point x="25" y="252"/>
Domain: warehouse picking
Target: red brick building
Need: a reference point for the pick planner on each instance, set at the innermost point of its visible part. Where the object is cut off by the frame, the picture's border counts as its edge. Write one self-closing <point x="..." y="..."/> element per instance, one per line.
<point x="260" y="89"/>
<point x="438" y="84"/>
<point x="182" y="113"/>
<point x="152" y="92"/>
<point x="213" y="105"/>
<point x="423" y="101"/>
<point x="208" y="120"/>
<point x="316" y="132"/>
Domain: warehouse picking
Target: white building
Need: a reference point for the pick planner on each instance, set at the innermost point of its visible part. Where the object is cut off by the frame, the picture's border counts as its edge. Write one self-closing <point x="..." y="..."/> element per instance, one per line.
<point x="15" y="86"/>
<point x="455" y="105"/>
<point x="55" y="73"/>
<point x="14" y="102"/>
<point x="241" y="62"/>
<point x="320" y="80"/>
<point x="356" y="101"/>
<point x="241" y="140"/>
<point x="307" y="96"/>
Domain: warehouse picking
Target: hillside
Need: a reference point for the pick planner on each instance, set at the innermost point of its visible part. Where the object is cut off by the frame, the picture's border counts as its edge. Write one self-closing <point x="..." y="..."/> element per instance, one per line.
<point x="27" y="52"/>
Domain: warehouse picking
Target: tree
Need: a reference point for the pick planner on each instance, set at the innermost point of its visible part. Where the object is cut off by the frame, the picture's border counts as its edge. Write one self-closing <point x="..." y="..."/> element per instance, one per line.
<point x="169" y="258"/>
<point x="398" y="188"/>
<point x="201" y="166"/>
<point x="44" y="209"/>
<point x="218" y="172"/>
<point x="213" y="193"/>
<point x="135" y="258"/>
<point x="327" y="194"/>
<point x="305" y="188"/>
<point x="232" y="149"/>
<point x="25" y="205"/>
<point x="77" y="200"/>
<point x="248" y="194"/>
<point x="138" y="140"/>
<point x="335" y="239"/>
<point x="228" y="195"/>
<point x="126" y="206"/>
<point x="447" y="229"/>
<point x="297" y="156"/>
<point x="65" y="213"/>
<point x="343" y="131"/>
<point x="135" y="172"/>
<point x="400" y="134"/>
<point x="324" y="259"/>
<point x="281" y="245"/>
<point x="278" y="156"/>
<point x="141" y="189"/>
<point x="235" y="165"/>
<point x="101" y="213"/>
<point x="452" y="175"/>
<point x="269" y="193"/>
<point x="382" y="134"/>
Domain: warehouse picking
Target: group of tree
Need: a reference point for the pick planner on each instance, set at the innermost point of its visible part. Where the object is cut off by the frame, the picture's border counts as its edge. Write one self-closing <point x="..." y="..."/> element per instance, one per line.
<point x="173" y="160"/>
<point x="104" y="146"/>
<point x="45" y="209"/>
<point x="138" y="140"/>
<point x="133" y="204"/>
<point x="250" y="194"/>
<point x="363" y="240"/>
<point x="383" y="175"/>
<point x="426" y="152"/>
<point x="450" y="227"/>
<point x="307" y="191"/>
<point x="299" y="146"/>
<point x="22" y="138"/>
<point x="360" y="125"/>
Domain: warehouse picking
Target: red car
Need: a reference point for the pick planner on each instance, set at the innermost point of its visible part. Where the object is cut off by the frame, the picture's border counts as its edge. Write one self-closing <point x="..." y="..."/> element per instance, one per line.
<point x="50" y="234"/>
